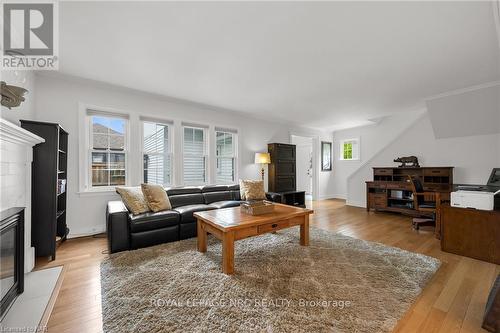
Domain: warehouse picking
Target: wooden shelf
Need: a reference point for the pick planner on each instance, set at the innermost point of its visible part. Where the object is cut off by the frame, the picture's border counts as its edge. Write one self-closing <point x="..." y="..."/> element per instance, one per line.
<point x="48" y="213"/>
<point x="401" y="199"/>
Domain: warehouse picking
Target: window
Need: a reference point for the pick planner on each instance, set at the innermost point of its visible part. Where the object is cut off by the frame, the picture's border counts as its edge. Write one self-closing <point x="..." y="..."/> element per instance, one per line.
<point x="225" y="148"/>
<point x="349" y="149"/>
<point x="157" y="153"/>
<point x="194" y="156"/>
<point x="108" y="151"/>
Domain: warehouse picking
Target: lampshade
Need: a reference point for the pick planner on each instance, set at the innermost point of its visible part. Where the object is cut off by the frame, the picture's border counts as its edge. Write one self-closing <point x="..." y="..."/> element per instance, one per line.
<point x="263" y="158"/>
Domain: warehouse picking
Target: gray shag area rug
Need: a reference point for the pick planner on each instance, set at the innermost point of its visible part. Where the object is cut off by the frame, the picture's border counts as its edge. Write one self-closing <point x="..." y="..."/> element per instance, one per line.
<point x="337" y="284"/>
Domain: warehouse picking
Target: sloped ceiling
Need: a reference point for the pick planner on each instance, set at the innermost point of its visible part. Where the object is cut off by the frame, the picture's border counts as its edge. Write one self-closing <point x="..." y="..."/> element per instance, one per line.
<point x="320" y="64"/>
<point x="466" y="113"/>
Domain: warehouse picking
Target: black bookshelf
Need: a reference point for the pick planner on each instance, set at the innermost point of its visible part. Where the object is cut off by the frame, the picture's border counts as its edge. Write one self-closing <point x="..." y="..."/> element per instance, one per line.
<point x="49" y="184"/>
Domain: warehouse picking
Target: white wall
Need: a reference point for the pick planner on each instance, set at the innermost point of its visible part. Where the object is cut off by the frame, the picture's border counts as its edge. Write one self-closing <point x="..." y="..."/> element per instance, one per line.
<point x="26" y="110"/>
<point x="472" y="112"/>
<point x="473" y="157"/>
<point x="58" y="99"/>
<point x="373" y="138"/>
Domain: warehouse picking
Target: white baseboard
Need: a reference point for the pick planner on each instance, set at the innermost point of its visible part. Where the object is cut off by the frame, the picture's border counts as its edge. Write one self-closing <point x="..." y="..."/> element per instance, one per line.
<point x="332" y="196"/>
<point x="98" y="229"/>
<point x="355" y="204"/>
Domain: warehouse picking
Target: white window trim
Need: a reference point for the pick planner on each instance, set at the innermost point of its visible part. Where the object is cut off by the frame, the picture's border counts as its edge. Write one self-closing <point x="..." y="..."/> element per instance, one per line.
<point x="234" y="155"/>
<point x="171" y="139"/>
<point x="206" y="155"/>
<point x="84" y="135"/>
<point x="358" y="148"/>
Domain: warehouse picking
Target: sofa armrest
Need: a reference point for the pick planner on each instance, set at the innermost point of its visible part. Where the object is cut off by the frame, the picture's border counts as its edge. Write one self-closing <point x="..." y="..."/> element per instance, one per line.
<point x="117" y="226"/>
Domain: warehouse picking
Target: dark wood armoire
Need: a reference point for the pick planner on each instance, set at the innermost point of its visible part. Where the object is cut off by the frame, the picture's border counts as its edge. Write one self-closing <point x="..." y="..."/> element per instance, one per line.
<point x="282" y="171"/>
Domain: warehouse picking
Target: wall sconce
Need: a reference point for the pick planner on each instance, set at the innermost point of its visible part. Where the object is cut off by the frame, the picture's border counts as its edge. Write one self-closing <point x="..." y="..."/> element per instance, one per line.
<point x="12" y="96"/>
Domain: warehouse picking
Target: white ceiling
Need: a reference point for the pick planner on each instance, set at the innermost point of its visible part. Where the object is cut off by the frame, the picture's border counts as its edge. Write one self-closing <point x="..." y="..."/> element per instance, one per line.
<point x="325" y="64"/>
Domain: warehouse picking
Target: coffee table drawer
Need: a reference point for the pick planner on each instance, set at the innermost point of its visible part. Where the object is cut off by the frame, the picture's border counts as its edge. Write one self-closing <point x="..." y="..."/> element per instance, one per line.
<point x="272" y="226"/>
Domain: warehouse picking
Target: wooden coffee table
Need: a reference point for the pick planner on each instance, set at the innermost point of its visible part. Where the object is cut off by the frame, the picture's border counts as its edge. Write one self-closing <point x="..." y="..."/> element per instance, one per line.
<point x="231" y="224"/>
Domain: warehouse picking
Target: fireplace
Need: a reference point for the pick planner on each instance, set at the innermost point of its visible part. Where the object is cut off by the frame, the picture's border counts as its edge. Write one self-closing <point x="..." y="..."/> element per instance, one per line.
<point x="12" y="256"/>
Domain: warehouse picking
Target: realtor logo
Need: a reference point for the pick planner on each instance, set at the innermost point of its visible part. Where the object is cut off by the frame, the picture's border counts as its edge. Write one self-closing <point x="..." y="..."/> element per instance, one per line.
<point x="29" y="39"/>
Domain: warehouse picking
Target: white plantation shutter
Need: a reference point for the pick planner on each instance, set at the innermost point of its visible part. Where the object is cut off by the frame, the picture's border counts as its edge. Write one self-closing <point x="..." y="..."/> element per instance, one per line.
<point x="225" y="143"/>
<point x="194" y="156"/>
<point x="157" y="155"/>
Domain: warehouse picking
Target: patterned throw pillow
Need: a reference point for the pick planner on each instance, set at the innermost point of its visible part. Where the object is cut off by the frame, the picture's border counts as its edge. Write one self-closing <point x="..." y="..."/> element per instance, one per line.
<point x="133" y="199"/>
<point x="156" y="197"/>
<point x="243" y="187"/>
<point x="255" y="190"/>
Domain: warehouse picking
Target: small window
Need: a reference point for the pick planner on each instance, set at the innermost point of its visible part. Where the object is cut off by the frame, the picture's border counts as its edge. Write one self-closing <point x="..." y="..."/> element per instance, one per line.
<point x="225" y="151"/>
<point x="194" y="156"/>
<point x="157" y="153"/>
<point x="349" y="149"/>
<point x="107" y="151"/>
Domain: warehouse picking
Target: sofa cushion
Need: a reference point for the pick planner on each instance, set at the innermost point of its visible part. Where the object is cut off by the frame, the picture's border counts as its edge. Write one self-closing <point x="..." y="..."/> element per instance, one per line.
<point x="236" y="195"/>
<point x="214" y="188"/>
<point x="217" y="196"/>
<point x="188" y="210"/>
<point x="225" y="204"/>
<point x="186" y="199"/>
<point x="183" y="190"/>
<point x="151" y="220"/>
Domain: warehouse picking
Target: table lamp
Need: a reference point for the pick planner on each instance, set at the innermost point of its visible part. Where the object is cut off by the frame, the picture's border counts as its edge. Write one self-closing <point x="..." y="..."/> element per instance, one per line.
<point x="262" y="158"/>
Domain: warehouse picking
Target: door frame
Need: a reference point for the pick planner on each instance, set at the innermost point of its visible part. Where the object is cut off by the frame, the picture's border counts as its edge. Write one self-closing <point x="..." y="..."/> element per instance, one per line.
<point x="316" y="164"/>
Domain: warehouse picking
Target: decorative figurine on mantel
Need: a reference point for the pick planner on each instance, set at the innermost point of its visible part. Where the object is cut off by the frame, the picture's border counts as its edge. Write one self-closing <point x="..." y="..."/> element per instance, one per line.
<point x="407" y="160"/>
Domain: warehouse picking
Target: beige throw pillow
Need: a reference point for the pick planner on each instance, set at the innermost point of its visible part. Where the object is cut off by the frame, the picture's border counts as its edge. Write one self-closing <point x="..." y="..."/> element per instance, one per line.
<point x="156" y="197"/>
<point x="255" y="190"/>
<point x="242" y="189"/>
<point x="133" y="199"/>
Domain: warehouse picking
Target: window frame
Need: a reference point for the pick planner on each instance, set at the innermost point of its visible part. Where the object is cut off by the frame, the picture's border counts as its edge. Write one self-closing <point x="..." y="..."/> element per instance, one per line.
<point x="205" y="154"/>
<point x="355" y="149"/>
<point x="89" y="149"/>
<point x="170" y="139"/>
<point x="234" y="155"/>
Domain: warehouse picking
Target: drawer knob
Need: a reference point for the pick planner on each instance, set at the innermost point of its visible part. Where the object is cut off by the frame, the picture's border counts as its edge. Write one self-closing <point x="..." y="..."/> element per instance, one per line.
<point x="274" y="225"/>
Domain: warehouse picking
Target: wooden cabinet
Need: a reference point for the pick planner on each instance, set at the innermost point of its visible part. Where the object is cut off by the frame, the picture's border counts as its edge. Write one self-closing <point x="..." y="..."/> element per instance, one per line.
<point x="48" y="192"/>
<point x="282" y="173"/>
<point x="390" y="190"/>
<point x="471" y="233"/>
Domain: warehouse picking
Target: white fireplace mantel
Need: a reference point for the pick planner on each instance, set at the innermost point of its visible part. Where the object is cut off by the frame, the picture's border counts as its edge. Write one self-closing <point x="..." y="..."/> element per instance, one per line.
<point x="15" y="134"/>
<point x="16" y="155"/>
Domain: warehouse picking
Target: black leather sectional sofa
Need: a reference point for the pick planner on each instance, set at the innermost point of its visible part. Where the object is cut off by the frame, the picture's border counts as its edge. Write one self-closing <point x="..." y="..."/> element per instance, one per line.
<point x="126" y="231"/>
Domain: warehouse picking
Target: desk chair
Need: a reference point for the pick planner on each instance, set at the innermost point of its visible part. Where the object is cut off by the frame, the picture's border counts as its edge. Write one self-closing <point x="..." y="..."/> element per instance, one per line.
<point x="427" y="205"/>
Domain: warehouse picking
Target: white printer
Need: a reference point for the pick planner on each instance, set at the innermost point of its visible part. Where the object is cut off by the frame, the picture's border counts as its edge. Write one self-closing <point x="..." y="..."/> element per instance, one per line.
<point x="478" y="196"/>
<point x="474" y="199"/>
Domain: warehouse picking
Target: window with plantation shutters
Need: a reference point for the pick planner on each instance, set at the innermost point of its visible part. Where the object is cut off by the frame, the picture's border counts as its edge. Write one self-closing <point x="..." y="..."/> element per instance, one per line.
<point x="349" y="149"/>
<point x="194" y="156"/>
<point x="157" y="153"/>
<point x="225" y="148"/>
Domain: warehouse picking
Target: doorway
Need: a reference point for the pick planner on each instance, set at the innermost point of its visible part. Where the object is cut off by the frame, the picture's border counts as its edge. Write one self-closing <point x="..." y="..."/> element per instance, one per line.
<point x="304" y="164"/>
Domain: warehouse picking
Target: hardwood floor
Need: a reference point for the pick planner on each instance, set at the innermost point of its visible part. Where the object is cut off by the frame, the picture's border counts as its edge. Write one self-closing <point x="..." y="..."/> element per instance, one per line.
<point x="453" y="301"/>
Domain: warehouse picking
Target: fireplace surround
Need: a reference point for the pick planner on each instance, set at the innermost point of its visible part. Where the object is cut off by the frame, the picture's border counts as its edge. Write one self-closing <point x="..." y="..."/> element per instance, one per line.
<point x="12" y="256"/>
